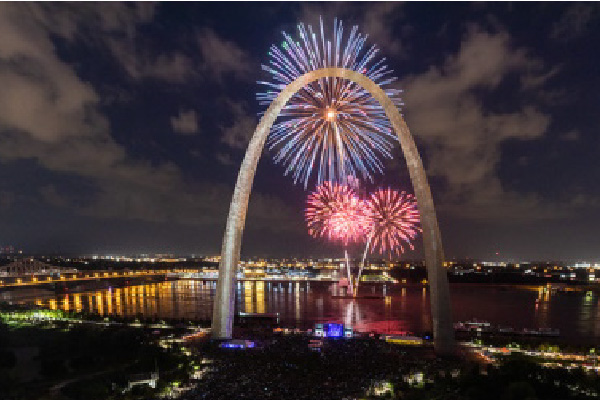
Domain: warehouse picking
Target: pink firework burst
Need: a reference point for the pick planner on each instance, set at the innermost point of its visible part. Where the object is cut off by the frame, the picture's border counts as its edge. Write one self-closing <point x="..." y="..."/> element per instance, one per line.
<point x="394" y="221"/>
<point x="334" y="211"/>
<point x="349" y="222"/>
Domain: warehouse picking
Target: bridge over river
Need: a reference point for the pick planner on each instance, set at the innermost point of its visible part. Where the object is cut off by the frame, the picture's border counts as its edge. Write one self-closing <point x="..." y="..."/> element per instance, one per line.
<point x="31" y="273"/>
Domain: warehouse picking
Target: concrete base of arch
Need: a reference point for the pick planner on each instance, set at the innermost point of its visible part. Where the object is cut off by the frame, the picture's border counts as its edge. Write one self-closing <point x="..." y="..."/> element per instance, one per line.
<point x="224" y="301"/>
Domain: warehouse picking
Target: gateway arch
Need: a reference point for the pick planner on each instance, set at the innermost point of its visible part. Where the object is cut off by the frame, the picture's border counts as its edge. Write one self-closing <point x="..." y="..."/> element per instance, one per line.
<point x="223" y="310"/>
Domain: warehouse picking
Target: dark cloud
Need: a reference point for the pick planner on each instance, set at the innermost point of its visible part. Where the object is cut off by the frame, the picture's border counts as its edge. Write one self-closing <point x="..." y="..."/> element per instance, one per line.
<point x="237" y="134"/>
<point x="167" y="67"/>
<point x="570" y="136"/>
<point x="377" y="19"/>
<point x="225" y="159"/>
<point x="185" y="123"/>
<point x="575" y="21"/>
<point x="115" y="27"/>
<point x="463" y="137"/>
<point x="6" y="199"/>
<point x="51" y="195"/>
<point x="90" y="95"/>
<point x="41" y="95"/>
<point x="222" y="57"/>
<point x="49" y="114"/>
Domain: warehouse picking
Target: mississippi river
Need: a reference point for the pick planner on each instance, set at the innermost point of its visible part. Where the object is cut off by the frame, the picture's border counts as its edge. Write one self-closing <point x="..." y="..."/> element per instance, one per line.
<point x="302" y="304"/>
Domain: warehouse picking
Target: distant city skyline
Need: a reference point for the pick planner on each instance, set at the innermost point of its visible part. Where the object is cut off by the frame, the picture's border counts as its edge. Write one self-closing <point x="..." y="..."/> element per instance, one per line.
<point x="214" y="258"/>
<point x="122" y="128"/>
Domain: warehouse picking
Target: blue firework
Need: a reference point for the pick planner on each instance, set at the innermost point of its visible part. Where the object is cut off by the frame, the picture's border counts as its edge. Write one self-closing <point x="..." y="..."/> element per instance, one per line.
<point x="332" y="126"/>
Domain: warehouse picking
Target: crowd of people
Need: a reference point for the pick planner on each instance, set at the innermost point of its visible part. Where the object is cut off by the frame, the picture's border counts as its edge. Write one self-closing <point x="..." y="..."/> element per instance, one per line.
<point x="288" y="368"/>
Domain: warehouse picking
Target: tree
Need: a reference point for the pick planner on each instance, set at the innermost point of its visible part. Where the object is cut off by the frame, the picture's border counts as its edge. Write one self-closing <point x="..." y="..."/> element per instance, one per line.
<point x="519" y="391"/>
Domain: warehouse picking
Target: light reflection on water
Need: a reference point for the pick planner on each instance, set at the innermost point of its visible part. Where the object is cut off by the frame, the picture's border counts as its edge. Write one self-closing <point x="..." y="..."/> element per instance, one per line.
<point x="301" y="304"/>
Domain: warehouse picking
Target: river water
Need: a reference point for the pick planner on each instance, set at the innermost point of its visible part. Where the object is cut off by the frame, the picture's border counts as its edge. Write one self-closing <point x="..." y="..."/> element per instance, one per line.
<point x="301" y="304"/>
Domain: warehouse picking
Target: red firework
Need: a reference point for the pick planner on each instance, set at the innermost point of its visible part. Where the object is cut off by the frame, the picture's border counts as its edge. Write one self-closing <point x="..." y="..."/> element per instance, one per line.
<point x="334" y="211"/>
<point x="394" y="221"/>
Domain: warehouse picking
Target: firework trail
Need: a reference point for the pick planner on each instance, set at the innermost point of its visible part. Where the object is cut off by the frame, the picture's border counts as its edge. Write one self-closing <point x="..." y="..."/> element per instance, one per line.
<point x="334" y="211"/>
<point x="393" y="224"/>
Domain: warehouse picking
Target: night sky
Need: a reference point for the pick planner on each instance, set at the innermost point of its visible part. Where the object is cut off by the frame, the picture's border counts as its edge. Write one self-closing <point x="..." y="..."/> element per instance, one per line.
<point x="122" y="126"/>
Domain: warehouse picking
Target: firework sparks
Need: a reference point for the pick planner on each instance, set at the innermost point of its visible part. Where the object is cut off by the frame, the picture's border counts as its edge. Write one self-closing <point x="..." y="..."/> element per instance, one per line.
<point x="331" y="123"/>
<point x="349" y="222"/>
<point x="394" y="221"/>
<point x="335" y="212"/>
